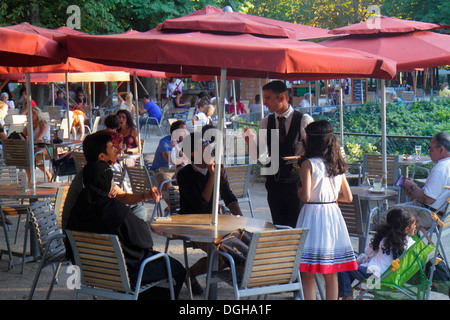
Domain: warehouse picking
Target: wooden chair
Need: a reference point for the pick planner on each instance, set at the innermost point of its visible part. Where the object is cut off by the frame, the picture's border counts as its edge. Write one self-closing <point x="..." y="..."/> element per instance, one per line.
<point x="10" y="208"/>
<point x="54" y="113"/>
<point x="238" y="179"/>
<point x="372" y="164"/>
<point x="103" y="269"/>
<point x="142" y="182"/>
<point x="46" y="223"/>
<point x="272" y="265"/>
<point x="80" y="160"/>
<point x="16" y="153"/>
<point x="357" y="225"/>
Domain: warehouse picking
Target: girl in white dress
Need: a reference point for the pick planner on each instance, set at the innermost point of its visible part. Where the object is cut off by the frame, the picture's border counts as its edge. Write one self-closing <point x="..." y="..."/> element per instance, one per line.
<point x="328" y="248"/>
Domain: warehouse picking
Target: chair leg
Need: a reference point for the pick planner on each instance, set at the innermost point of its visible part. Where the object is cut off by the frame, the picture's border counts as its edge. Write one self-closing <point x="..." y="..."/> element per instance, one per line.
<point x="186" y="263"/>
<point x="54" y="279"/>
<point x="8" y="245"/>
<point x="251" y="208"/>
<point x="36" y="279"/>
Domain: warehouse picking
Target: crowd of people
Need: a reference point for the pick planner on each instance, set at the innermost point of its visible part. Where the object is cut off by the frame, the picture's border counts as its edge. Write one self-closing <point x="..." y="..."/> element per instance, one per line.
<point x="302" y="192"/>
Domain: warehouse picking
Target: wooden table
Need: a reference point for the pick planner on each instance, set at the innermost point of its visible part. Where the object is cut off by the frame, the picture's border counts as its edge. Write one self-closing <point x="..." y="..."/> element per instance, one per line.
<point x="42" y="190"/>
<point x="198" y="228"/>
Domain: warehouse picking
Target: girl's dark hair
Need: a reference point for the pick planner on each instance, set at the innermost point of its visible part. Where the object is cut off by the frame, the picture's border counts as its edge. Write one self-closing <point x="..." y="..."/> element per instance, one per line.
<point x="322" y="143"/>
<point x="393" y="231"/>
<point x="112" y="121"/>
<point x="127" y="113"/>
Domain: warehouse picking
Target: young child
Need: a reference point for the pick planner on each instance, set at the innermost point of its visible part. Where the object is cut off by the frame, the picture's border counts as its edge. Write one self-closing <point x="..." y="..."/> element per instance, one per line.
<point x="391" y="239"/>
<point x="328" y="248"/>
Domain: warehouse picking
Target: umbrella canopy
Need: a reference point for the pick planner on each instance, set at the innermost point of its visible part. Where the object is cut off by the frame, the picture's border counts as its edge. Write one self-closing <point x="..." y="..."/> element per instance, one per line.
<point x="420" y="49"/>
<point x="74" y="65"/>
<point x="25" y="49"/>
<point x="211" y="19"/>
<point x="385" y="25"/>
<point x="242" y="55"/>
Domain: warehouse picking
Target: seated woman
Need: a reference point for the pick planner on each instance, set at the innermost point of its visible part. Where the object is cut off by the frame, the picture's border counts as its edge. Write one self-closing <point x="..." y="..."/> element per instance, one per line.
<point x="177" y="101"/>
<point x="129" y="131"/>
<point x="41" y="133"/>
<point x="127" y="103"/>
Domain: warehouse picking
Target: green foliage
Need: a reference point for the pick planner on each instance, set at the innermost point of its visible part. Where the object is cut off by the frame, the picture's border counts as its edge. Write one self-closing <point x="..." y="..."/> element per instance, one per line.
<point x="421" y="119"/>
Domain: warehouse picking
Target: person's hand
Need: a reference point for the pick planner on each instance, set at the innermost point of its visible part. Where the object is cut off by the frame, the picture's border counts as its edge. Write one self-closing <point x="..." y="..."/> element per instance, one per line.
<point x="248" y="135"/>
<point x="155" y="194"/>
<point x="211" y="168"/>
<point x="112" y="193"/>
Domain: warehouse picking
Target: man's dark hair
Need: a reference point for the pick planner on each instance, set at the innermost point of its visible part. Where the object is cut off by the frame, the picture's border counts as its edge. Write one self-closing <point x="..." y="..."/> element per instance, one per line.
<point x="277" y="87"/>
<point x="146" y="96"/>
<point x="176" y="125"/>
<point x="94" y="144"/>
<point x="112" y="121"/>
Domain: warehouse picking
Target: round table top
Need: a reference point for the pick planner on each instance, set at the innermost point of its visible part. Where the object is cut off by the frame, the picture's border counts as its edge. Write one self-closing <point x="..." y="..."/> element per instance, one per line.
<point x="198" y="227"/>
<point x="365" y="193"/>
<point x="413" y="160"/>
<point x="42" y="190"/>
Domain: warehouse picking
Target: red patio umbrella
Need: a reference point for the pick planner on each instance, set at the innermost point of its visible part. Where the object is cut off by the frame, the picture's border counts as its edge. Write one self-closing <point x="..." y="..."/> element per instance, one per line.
<point x="420" y="49"/>
<point x="242" y="55"/>
<point x="385" y="25"/>
<point x="212" y="19"/>
<point x="24" y="49"/>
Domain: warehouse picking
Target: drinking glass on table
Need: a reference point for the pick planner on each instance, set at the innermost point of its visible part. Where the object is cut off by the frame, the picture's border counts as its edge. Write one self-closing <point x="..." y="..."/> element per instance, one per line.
<point x="418" y="151"/>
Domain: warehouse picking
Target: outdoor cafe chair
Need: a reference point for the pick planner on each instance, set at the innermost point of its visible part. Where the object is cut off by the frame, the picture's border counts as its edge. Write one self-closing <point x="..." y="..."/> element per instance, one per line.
<point x="10" y="208"/>
<point x="271" y="266"/>
<point x="238" y="179"/>
<point x="46" y="223"/>
<point x="103" y="269"/>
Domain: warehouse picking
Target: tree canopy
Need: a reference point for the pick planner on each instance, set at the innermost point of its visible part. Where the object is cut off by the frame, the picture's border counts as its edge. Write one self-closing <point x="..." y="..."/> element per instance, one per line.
<point x="115" y="16"/>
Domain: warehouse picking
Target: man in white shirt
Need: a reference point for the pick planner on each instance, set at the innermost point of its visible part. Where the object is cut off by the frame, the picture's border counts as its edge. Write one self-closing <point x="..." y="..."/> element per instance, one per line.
<point x="283" y="182"/>
<point x="433" y="196"/>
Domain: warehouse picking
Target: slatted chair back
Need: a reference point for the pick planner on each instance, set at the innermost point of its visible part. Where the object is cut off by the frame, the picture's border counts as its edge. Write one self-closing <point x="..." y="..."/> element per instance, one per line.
<point x="80" y="160"/>
<point x="46" y="225"/>
<point x="103" y="267"/>
<point x="17" y="127"/>
<point x="8" y="174"/>
<point x="16" y="153"/>
<point x="352" y="214"/>
<point x="101" y="262"/>
<point x="61" y="196"/>
<point x="238" y="179"/>
<point x="139" y="179"/>
<point x="272" y="264"/>
<point x="174" y="199"/>
<point x="373" y="165"/>
<point x="274" y="258"/>
<point x="50" y="239"/>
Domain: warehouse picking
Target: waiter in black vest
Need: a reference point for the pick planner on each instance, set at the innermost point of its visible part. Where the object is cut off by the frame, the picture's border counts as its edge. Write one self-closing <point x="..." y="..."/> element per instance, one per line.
<point x="282" y="185"/>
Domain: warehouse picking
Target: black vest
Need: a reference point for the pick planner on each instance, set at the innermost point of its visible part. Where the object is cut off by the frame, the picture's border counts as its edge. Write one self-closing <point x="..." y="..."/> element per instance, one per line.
<point x="288" y="172"/>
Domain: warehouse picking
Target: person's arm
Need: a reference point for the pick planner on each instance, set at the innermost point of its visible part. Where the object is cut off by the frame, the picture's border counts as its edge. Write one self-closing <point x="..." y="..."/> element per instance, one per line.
<point x="413" y="191"/>
<point x="345" y="195"/>
<point x="43" y="130"/>
<point x="131" y="198"/>
<point x="304" y="192"/>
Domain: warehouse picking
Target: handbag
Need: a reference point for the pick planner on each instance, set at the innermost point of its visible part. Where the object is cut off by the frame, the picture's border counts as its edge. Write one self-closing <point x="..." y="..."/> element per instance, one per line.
<point x="235" y="244"/>
<point x="64" y="166"/>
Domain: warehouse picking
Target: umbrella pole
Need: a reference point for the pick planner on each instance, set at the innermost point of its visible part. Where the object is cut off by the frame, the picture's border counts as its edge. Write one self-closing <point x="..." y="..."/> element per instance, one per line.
<point x="234" y="95"/>
<point x="261" y="102"/>
<point x="341" y="113"/>
<point x="67" y="106"/>
<point x="30" y="132"/>
<point x="137" y="112"/>
<point x="219" y="146"/>
<point x="383" y="128"/>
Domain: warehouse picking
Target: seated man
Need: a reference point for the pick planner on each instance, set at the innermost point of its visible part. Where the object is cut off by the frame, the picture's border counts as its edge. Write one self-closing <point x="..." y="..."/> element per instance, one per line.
<point x="95" y="211"/>
<point x="151" y="109"/>
<point x="432" y="195"/>
<point x="178" y="131"/>
<point x="95" y="149"/>
<point x="196" y="182"/>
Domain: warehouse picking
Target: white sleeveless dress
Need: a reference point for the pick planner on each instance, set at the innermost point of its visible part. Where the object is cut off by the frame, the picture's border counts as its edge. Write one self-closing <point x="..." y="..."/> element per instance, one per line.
<point x="328" y="248"/>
